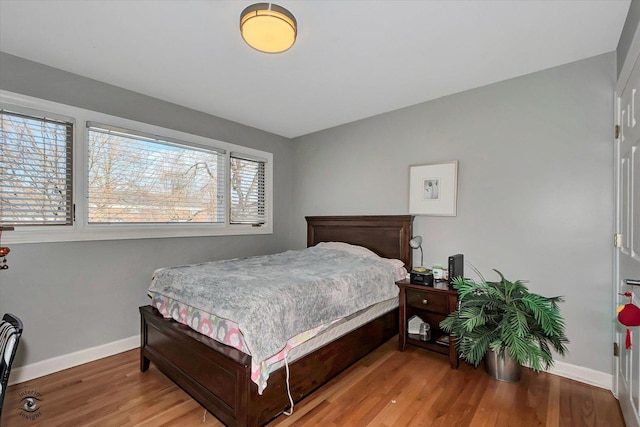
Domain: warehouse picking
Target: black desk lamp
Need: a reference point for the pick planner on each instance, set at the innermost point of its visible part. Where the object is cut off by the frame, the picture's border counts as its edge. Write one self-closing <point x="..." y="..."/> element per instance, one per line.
<point x="416" y="243"/>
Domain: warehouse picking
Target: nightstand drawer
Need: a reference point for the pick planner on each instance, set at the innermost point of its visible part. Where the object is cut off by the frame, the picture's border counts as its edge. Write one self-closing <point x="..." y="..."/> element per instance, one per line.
<point x="435" y="302"/>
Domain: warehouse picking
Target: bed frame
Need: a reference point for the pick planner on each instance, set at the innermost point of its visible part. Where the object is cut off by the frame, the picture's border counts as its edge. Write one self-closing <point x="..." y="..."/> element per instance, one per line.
<point x="219" y="377"/>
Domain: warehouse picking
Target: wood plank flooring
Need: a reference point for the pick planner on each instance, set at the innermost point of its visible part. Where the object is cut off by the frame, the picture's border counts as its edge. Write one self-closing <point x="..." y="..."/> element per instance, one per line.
<point x="386" y="388"/>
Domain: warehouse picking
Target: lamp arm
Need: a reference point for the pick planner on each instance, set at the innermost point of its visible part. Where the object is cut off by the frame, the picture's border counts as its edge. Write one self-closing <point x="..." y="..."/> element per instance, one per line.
<point x="421" y="257"/>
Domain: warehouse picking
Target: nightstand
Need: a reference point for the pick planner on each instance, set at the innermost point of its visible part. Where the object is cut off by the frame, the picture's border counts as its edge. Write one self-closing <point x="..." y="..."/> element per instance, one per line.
<point x="432" y="305"/>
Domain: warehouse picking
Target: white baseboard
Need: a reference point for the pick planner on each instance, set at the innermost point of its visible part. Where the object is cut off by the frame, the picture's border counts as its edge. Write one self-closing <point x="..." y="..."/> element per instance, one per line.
<point x="49" y="366"/>
<point x="66" y="361"/>
<point x="583" y="375"/>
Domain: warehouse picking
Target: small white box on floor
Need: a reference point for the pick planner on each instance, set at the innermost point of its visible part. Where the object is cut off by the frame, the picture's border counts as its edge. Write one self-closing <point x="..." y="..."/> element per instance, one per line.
<point x="413" y="325"/>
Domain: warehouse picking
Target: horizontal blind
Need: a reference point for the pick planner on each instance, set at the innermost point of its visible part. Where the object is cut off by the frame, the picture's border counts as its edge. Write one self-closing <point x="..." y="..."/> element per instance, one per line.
<point x="247" y="177"/>
<point x="35" y="170"/>
<point x="136" y="178"/>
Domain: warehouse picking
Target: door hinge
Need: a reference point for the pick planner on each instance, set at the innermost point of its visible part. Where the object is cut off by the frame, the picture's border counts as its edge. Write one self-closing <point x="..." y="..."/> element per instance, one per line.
<point x="616" y="349"/>
<point x="617" y="240"/>
<point x="617" y="131"/>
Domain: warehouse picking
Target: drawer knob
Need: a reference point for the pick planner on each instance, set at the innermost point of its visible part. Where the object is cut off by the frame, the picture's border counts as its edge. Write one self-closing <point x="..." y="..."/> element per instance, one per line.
<point x="425" y="301"/>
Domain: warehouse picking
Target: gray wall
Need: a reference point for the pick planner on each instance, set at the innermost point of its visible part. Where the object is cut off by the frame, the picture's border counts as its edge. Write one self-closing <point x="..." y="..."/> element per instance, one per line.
<point x="535" y="186"/>
<point x="76" y="295"/>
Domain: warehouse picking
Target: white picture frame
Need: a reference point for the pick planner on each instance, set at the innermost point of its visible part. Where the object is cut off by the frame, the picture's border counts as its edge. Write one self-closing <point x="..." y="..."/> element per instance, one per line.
<point x="433" y="189"/>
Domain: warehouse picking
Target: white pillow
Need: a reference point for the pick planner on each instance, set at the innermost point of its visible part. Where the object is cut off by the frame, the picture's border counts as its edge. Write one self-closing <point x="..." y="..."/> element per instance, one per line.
<point x="346" y="247"/>
<point x="359" y="250"/>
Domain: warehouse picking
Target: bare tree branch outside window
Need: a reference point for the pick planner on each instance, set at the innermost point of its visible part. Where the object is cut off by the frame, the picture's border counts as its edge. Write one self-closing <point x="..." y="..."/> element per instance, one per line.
<point x="247" y="191"/>
<point x="135" y="180"/>
<point x="131" y="178"/>
<point x="35" y="170"/>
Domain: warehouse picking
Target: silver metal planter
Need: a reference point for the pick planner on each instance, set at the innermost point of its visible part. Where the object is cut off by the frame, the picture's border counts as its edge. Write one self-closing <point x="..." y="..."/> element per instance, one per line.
<point x="503" y="369"/>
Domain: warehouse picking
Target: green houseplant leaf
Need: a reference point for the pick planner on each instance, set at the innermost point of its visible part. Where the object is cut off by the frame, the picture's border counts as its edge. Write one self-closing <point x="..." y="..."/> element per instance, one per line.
<point x="504" y="315"/>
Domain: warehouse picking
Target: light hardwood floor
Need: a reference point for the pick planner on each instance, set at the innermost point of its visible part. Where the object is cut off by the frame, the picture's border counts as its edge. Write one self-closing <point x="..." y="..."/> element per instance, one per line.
<point x="386" y="388"/>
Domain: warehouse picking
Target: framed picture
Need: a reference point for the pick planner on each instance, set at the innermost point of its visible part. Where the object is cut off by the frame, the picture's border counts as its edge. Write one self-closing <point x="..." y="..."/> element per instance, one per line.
<point x="433" y="189"/>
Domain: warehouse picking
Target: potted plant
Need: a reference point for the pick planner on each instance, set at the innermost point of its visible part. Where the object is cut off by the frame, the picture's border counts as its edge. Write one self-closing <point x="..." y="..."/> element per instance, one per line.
<point x="507" y="325"/>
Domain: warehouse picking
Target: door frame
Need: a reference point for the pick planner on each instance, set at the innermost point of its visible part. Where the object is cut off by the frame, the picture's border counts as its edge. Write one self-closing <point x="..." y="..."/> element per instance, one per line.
<point x="633" y="55"/>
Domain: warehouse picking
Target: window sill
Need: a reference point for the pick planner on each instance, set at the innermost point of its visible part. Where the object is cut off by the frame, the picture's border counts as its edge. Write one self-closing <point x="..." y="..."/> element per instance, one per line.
<point x="112" y="232"/>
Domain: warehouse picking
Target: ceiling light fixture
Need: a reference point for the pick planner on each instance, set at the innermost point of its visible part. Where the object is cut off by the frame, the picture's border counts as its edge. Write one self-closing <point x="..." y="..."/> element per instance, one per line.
<point x="268" y="27"/>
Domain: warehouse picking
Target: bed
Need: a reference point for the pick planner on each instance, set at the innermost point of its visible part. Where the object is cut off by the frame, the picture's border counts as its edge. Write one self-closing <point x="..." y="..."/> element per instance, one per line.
<point x="219" y="376"/>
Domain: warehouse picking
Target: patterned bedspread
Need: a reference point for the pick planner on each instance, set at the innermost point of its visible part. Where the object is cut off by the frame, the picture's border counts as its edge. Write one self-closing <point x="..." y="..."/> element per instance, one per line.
<point x="227" y="332"/>
<point x="274" y="298"/>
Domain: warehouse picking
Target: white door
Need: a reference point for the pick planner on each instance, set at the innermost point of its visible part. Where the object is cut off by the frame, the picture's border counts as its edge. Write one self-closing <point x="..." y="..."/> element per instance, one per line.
<point x="627" y="254"/>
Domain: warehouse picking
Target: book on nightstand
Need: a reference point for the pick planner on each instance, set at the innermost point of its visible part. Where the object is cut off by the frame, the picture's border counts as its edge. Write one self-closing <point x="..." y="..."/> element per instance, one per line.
<point x="443" y="340"/>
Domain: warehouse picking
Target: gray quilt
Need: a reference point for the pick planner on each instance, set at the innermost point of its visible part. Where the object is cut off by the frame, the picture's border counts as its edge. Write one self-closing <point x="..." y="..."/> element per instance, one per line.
<point x="275" y="297"/>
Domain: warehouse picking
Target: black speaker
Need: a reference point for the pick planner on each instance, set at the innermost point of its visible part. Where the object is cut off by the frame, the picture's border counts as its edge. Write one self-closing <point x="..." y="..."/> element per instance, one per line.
<point x="456" y="266"/>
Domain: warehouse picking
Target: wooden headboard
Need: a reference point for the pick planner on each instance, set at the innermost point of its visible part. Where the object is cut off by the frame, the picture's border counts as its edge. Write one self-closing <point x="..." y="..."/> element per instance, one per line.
<point x="386" y="235"/>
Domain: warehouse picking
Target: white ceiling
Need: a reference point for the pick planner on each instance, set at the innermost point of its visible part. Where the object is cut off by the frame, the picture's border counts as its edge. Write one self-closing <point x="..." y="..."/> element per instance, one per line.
<point x="352" y="59"/>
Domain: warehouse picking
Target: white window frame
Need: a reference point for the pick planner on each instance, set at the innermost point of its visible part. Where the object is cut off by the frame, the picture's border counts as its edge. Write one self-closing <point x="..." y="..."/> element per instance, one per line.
<point x="81" y="230"/>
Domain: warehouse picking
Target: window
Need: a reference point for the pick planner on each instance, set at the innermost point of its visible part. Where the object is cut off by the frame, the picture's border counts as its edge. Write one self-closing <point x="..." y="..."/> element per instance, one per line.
<point x="137" y="178"/>
<point x="35" y="170"/>
<point x="100" y="177"/>
<point x="247" y="190"/>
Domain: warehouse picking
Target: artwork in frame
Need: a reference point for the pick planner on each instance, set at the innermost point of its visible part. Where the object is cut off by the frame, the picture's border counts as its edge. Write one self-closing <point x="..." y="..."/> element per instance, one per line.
<point x="433" y="189"/>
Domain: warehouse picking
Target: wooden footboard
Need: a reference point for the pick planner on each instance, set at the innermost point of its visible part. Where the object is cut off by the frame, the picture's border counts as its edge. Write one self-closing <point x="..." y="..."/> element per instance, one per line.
<point x="219" y="377"/>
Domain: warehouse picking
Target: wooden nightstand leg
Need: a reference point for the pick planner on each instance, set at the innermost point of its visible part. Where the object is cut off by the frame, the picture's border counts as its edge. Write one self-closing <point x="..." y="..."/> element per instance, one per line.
<point x="402" y="328"/>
